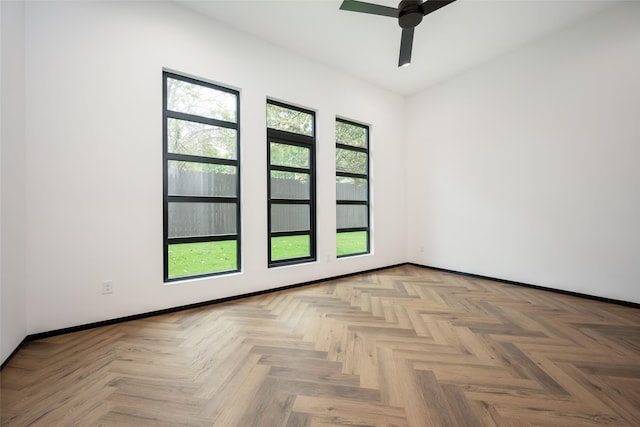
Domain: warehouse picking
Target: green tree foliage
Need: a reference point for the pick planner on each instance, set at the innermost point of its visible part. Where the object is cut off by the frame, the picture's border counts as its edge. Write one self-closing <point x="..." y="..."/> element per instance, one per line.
<point x="193" y="138"/>
<point x="349" y="160"/>
<point x="349" y="134"/>
<point x="201" y="101"/>
<point x="289" y="120"/>
<point x="289" y="155"/>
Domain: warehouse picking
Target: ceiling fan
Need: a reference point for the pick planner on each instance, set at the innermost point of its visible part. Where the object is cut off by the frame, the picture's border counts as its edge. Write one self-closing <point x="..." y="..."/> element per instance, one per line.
<point x="409" y="14"/>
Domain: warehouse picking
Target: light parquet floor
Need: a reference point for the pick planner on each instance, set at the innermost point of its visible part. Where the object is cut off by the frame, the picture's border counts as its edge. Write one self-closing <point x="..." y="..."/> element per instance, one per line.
<point x="405" y="346"/>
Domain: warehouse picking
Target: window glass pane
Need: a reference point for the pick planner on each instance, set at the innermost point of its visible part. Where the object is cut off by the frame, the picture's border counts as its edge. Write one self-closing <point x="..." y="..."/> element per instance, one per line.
<point x="290" y="247"/>
<point x="351" y="188"/>
<point x="350" y="216"/>
<point x="289" y="155"/>
<point x="289" y="120"/>
<point x="352" y="242"/>
<point x="201" y="219"/>
<point x="351" y="161"/>
<point x="201" y="179"/>
<point x="189" y="259"/>
<point x="197" y="139"/>
<point x="184" y="97"/>
<point x="349" y="134"/>
<point x="290" y="185"/>
<point x="290" y="218"/>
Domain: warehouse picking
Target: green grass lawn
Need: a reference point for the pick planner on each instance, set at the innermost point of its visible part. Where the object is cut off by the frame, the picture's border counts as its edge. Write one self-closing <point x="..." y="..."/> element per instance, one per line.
<point x="353" y="242"/>
<point x="190" y="259"/>
<point x="289" y="247"/>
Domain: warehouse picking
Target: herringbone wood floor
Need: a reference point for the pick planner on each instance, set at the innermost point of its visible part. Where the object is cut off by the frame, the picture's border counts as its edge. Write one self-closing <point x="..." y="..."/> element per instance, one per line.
<point x="405" y="346"/>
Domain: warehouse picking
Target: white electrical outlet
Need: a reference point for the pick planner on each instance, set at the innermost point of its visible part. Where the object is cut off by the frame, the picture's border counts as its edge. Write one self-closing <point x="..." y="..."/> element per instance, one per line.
<point x="422" y="248"/>
<point x="107" y="287"/>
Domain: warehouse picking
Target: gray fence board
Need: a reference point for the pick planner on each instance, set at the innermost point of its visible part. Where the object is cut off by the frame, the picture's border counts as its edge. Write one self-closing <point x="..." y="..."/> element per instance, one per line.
<point x="201" y="219"/>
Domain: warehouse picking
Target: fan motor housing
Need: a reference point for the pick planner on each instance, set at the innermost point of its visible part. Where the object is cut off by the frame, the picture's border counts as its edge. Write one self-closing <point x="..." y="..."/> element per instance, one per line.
<point x="410" y="13"/>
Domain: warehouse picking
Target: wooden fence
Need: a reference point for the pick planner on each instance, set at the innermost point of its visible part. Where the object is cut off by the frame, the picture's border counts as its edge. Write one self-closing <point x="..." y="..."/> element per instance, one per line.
<point x="203" y="219"/>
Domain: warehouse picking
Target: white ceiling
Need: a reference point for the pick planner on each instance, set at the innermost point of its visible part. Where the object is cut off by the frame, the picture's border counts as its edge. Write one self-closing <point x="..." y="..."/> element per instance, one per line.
<point x="447" y="42"/>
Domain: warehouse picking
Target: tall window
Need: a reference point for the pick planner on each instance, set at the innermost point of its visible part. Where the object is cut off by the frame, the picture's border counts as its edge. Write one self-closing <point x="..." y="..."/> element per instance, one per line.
<point x="291" y="184"/>
<point x="201" y="178"/>
<point x="352" y="188"/>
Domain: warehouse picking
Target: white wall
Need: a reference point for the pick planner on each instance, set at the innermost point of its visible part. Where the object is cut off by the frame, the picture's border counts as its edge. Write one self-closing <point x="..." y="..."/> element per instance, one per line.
<point x="13" y="318"/>
<point x="528" y="167"/>
<point x="94" y="155"/>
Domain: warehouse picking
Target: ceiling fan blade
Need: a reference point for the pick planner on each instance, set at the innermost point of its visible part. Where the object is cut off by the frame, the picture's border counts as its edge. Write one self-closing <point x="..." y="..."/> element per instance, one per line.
<point x="433" y="5"/>
<point x="405" y="47"/>
<point x="375" y="9"/>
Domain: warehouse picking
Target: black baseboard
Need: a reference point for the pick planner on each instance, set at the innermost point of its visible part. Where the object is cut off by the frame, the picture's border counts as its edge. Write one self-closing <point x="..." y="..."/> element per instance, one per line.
<point x="528" y="285"/>
<point x="48" y="334"/>
<point x="13" y="353"/>
<point x="56" y="332"/>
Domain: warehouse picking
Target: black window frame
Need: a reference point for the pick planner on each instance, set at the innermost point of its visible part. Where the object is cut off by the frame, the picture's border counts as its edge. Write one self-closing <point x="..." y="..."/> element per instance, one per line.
<point x="169" y="114"/>
<point x="366" y="176"/>
<point x="297" y="139"/>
